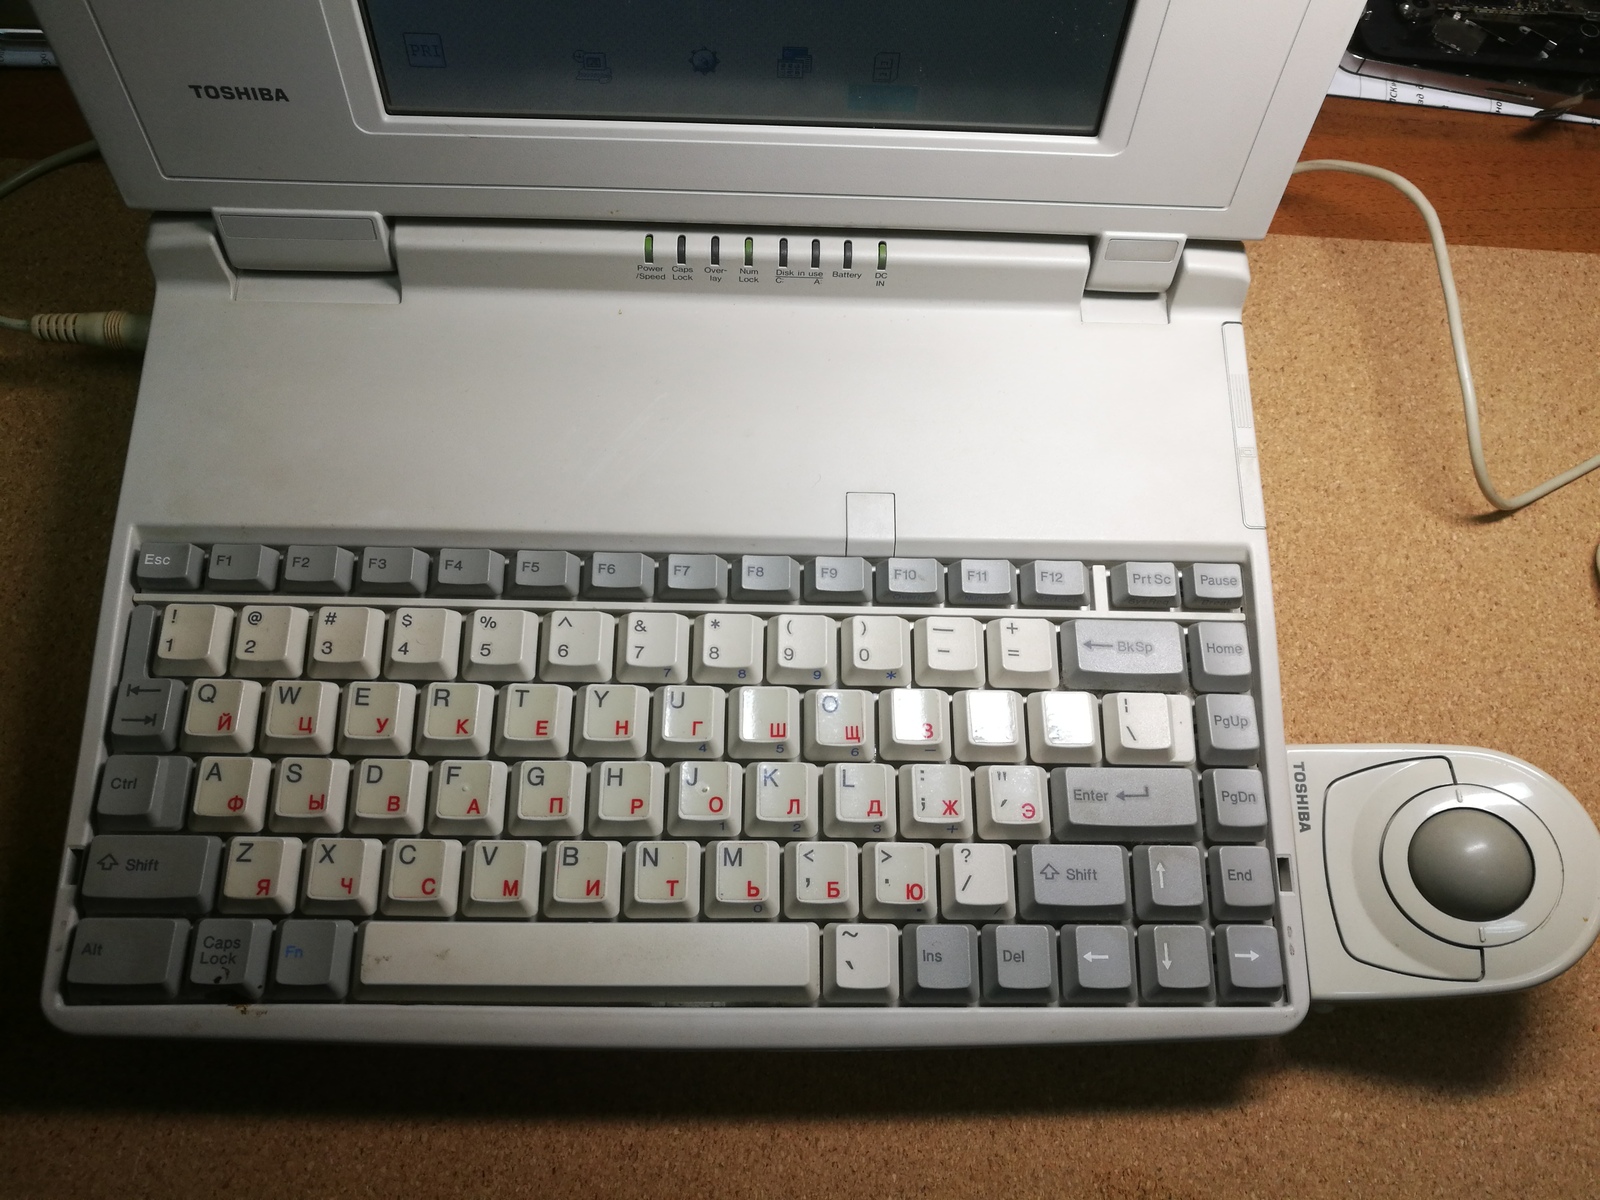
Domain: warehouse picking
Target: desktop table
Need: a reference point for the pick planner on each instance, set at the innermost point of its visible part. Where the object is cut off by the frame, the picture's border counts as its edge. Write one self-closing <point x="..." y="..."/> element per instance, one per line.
<point x="1404" y="614"/>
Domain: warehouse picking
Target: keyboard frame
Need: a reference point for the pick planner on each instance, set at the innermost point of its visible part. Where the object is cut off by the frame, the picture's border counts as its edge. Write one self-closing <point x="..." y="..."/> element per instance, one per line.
<point x="684" y="1026"/>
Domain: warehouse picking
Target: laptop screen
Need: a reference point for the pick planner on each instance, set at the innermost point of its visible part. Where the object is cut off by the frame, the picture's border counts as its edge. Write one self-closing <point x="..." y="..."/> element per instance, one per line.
<point x="1034" y="66"/>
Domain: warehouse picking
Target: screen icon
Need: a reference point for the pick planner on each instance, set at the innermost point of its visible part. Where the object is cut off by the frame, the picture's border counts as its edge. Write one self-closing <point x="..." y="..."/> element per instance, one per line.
<point x="592" y="66"/>
<point x="796" y="62"/>
<point x="424" y="50"/>
<point x="703" y="61"/>
<point x="885" y="66"/>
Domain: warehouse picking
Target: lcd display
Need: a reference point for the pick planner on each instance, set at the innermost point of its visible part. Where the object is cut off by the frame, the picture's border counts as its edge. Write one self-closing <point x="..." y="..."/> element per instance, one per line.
<point x="1042" y="66"/>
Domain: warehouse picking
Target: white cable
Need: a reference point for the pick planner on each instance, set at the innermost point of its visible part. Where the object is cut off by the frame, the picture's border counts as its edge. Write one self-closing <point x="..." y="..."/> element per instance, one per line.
<point x="1458" y="337"/>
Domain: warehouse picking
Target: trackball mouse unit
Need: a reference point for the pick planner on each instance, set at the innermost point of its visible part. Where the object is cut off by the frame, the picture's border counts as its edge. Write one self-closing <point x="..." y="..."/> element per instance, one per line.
<point x="724" y="526"/>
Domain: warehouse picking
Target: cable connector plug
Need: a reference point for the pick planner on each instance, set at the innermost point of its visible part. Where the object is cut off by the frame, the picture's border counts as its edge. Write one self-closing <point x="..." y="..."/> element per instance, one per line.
<point x="115" y="330"/>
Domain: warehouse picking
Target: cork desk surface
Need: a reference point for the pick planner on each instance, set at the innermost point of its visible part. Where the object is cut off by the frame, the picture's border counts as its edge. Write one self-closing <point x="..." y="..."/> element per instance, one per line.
<point x="1403" y="615"/>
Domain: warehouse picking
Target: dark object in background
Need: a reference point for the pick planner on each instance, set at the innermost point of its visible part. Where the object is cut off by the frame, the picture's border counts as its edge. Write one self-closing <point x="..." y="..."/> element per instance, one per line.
<point x="21" y="42"/>
<point x="1540" y="52"/>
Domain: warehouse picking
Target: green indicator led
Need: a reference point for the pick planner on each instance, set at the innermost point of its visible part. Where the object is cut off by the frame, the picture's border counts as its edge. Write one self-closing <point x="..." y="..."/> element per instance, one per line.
<point x="650" y="248"/>
<point x="883" y="256"/>
<point x="749" y="252"/>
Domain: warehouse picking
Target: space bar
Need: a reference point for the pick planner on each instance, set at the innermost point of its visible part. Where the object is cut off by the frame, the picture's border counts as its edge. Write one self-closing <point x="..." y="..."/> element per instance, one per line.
<point x="588" y="963"/>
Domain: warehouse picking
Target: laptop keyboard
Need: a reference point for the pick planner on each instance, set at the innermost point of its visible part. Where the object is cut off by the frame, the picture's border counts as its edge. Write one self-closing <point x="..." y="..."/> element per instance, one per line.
<point x="461" y="775"/>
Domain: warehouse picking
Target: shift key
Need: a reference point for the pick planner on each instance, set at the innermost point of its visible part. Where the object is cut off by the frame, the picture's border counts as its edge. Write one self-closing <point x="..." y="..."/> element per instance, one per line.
<point x="1124" y="804"/>
<point x="133" y="873"/>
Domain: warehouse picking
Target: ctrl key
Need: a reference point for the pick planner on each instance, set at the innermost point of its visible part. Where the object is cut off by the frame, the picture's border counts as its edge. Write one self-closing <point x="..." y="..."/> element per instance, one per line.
<point x="123" y="960"/>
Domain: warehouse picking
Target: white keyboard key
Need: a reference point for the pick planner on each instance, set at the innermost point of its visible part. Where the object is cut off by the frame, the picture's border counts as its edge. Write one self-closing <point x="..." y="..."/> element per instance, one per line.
<point x="899" y="881"/>
<point x="456" y="719"/>
<point x="549" y="799"/>
<point x="1013" y="803"/>
<point x="342" y="876"/>
<point x="766" y="723"/>
<point x="861" y="964"/>
<point x="378" y="719"/>
<point x="578" y="647"/>
<point x="690" y="722"/>
<point x="663" y="881"/>
<point x="230" y="795"/>
<point x="948" y="652"/>
<point x="840" y="726"/>
<point x="858" y="801"/>
<point x="1022" y="653"/>
<point x="1148" y="728"/>
<point x="583" y="879"/>
<point x="653" y="648"/>
<point x="262" y="875"/>
<point x="421" y="878"/>
<point x="821" y="880"/>
<point x="346" y="643"/>
<point x="222" y="716"/>
<point x="989" y="727"/>
<point x="876" y="652"/>
<point x="193" y="640"/>
<point x="781" y="800"/>
<point x="270" y="642"/>
<point x="301" y="717"/>
<point x="502" y="879"/>
<point x="502" y="645"/>
<point x="936" y="802"/>
<point x="469" y="798"/>
<point x="424" y="643"/>
<point x="535" y="721"/>
<point x="742" y="880"/>
<point x="729" y="648"/>
<point x="803" y="649"/>
<point x="391" y="794"/>
<point x="975" y="882"/>
<point x="309" y="795"/>
<point x="613" y="721"/>
<point x="705" y="799"/>
<point x="627" y="799"/>
<point x="1064" y="727"/>
<point x="916" y="725"/>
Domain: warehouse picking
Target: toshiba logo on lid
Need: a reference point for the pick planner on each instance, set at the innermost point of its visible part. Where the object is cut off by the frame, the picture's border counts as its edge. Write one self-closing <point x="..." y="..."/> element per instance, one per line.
<point x="212" y="91"/>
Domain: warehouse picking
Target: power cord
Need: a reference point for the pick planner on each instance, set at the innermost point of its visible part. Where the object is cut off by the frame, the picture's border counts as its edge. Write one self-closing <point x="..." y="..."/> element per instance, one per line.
<point x="115" y="330"/>
<point x="1458" y="339"/>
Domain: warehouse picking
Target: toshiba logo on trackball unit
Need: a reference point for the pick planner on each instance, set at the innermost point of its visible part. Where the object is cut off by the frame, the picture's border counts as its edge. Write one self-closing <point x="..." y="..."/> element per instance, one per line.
<point x="211" y="91"/>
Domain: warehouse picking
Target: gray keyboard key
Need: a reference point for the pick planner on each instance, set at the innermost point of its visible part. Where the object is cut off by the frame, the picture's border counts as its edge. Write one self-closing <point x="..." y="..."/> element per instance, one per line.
<point x="230" y="956"/>
<point x="126" y="960"/>
<point x="620" y="575"/>
<point x="546" y="575"/>
<point x="318" y="570"/>
<point x="242" y="567"/>
<point x="1226" y="730"/>
<point x="840" y="580"/>
<point x="168" y="567"/>
<point x="1019" y="964"/>
<point x="1213" y="585"/>
<point x="145" y="712"/>
<point x="1124" y="804"/>
<point x="1175" y="964"/>
<point x="1143" y="585"/>
<point x="1243" y="882"/>
<point x="939" y="964"/>
<point x="392" y="571"/>
<point x="311" y="960"/>
<point x="1168" y="883"/>
<point x="1122" y="656"/>
<point x="477" y="573"/>
<point x="1056" y="883"/>
<point x="985" y="581"/>
<point x="695" y="577"/>
<point x="1249" y="964"/>
<point x="1096" y="964"/>
<point x="910" y="581"/>
<point x="164" y="873"/>
<point x="142" y="792"/>
<point x="1236" y="804"/>
<point x="1054" y="583"/>
<point x="1219" y="656"/>
<point x="767" y="579"/>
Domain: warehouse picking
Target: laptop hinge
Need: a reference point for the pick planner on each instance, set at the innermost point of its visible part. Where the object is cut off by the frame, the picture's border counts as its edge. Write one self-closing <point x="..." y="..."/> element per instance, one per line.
<point x="1135" y="262"/>
<point x="278" y="240"/>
